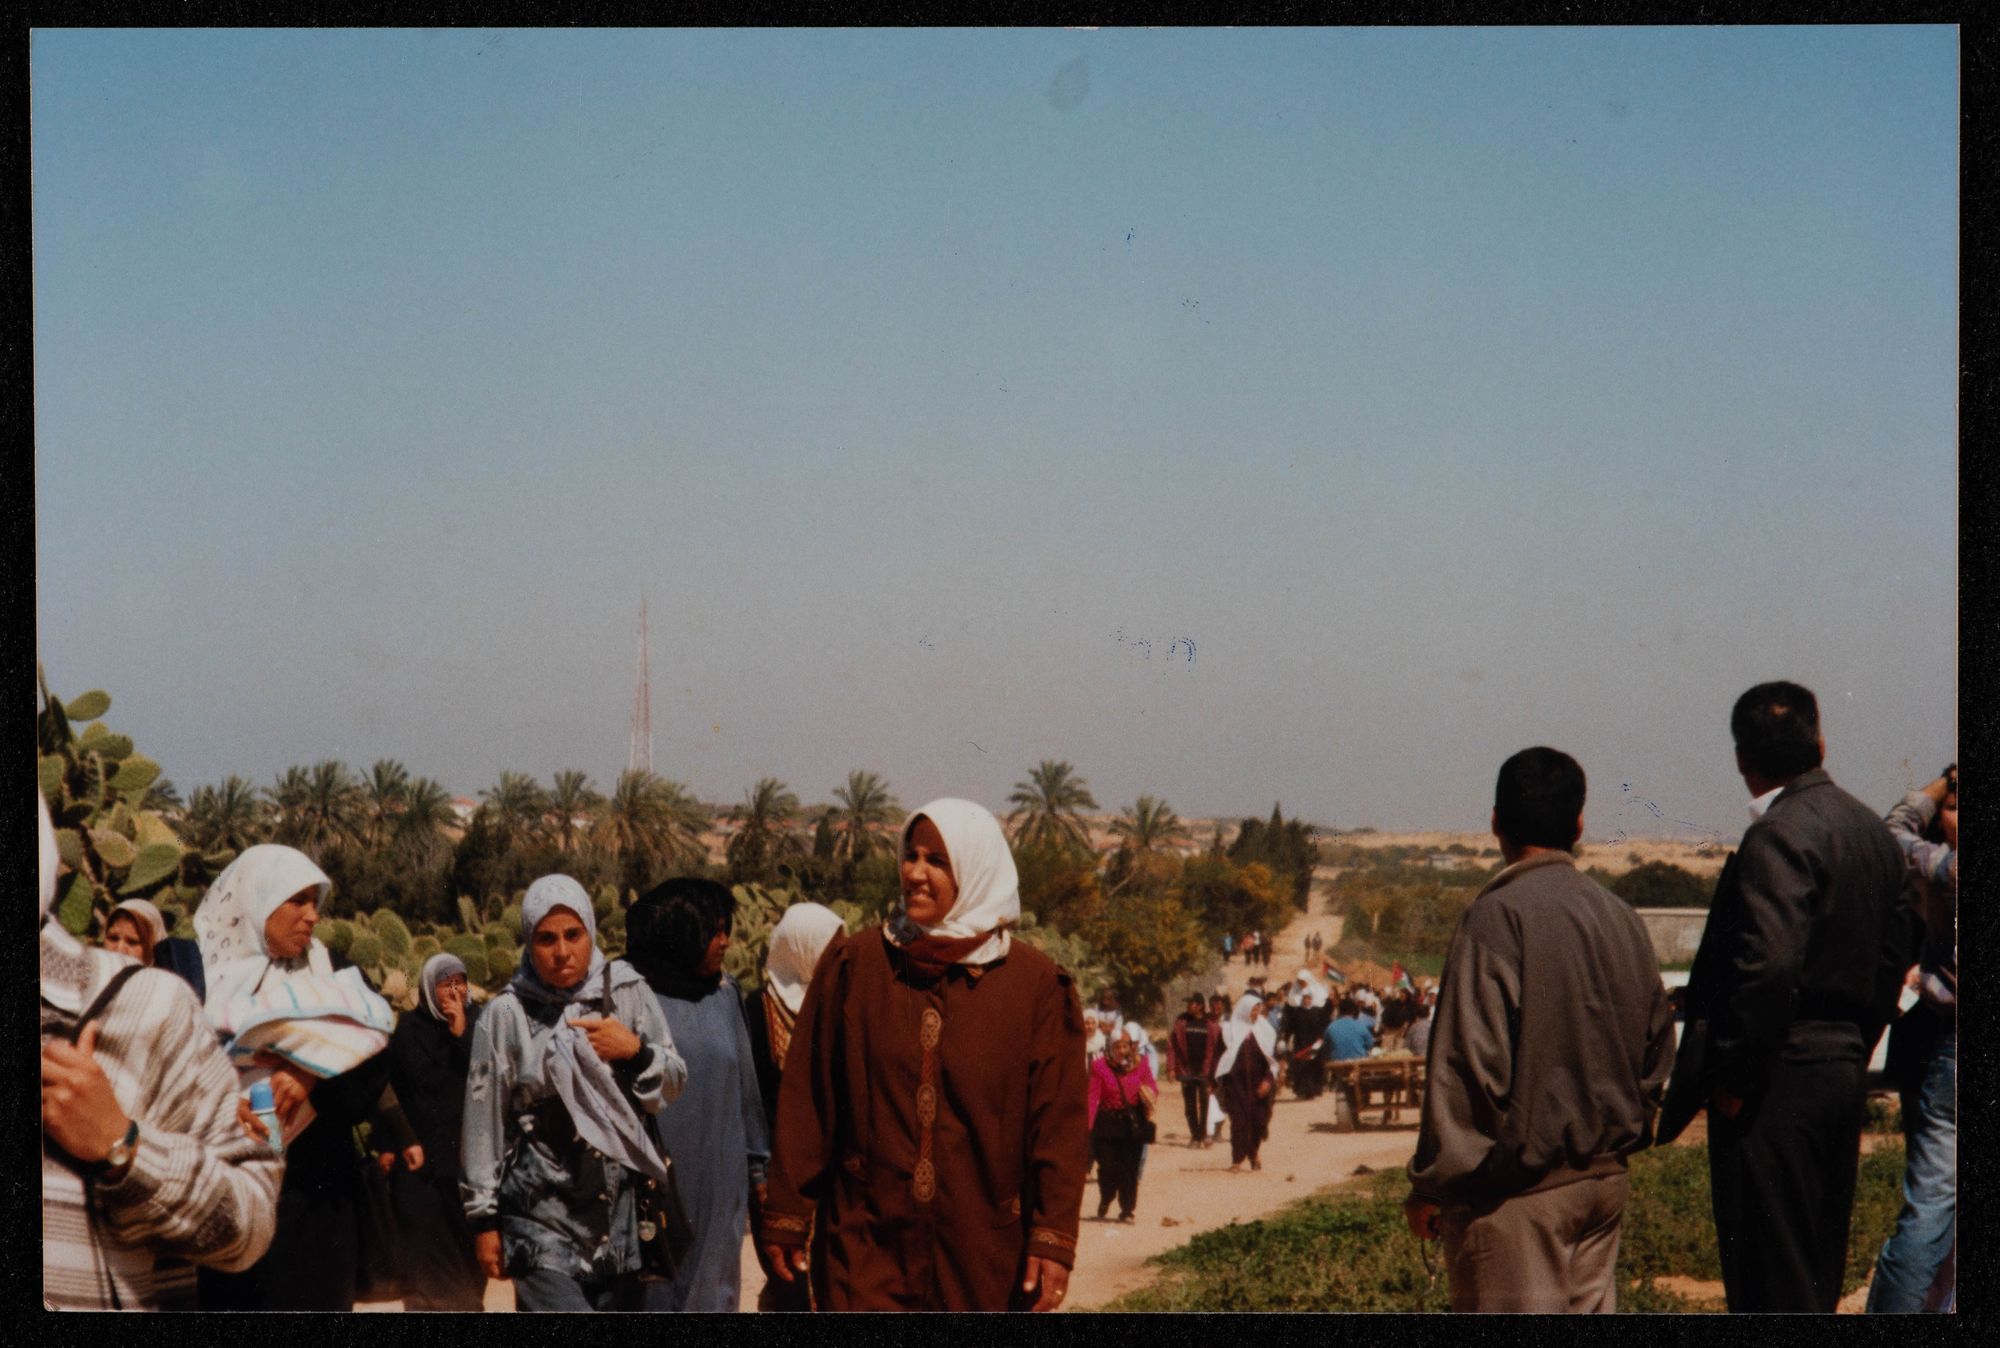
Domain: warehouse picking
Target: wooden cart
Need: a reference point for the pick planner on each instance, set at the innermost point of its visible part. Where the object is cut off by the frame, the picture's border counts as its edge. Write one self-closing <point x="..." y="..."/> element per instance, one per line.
<point x="1390" y="1084"/>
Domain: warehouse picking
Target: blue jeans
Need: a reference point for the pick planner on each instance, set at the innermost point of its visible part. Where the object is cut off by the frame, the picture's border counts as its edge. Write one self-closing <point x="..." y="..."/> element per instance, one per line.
<point x="544" y="1289"/>
<point x="1928" y="1225"/>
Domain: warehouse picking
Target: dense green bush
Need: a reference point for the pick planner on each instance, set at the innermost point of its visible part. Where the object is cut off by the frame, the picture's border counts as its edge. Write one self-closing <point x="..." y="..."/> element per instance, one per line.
<point x="1348" y="1249"/>
<point x="1658" y="884"/>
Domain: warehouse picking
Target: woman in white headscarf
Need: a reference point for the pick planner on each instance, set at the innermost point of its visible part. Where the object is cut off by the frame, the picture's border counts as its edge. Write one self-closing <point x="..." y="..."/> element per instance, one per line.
<point x="1246" y="1079"/>
<point x="289" y="1013"/>
<point x="134" y="929"/>
<point x="932" y="1120"/>
<point x="564" y="1061"/>
<point x="430" y="1057"/>
<point x="804" y="933"/>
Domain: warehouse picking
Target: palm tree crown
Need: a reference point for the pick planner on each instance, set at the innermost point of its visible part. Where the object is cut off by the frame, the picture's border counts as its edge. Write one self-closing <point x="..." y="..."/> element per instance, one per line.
<point x="571" y="799"/>
<point x="320" y="810"/>
<point x="1148" y="826"/>
<point x="514" y="808"/>
<point x="648" y="823"/>
<point x="764" y="830"/>
<point x="1048" y="808"/>
<point x="865" y="805"/>
<point x="226" y="816"/>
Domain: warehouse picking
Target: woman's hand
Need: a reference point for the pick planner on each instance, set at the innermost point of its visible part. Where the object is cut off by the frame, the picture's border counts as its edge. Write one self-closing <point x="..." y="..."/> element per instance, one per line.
<point x="784" y="1262"/>
<point x="290" y="1087"/>
<point x="247" y="1120"/>
<point x="385" y="1160"/>
<point x="613" y="1042"/>
<point x="1051" y="1277"/>
<point x="413" y="1157"/>
<point x="1264" y="1088"/>
<point x="486" y="1245"/>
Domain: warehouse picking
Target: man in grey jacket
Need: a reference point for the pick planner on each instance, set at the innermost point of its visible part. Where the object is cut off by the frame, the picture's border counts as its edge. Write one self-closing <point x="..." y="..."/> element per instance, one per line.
<point x="1551" y="1043"/>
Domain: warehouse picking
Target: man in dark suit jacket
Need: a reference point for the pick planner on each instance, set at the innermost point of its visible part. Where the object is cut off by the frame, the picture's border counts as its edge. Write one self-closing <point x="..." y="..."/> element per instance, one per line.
<point x="1797" y="973"/>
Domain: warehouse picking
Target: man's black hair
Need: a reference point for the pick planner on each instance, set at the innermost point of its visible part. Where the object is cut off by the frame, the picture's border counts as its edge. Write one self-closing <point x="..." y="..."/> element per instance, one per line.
<point x="1776" y="728"/>
<point x="1538" y="799"/>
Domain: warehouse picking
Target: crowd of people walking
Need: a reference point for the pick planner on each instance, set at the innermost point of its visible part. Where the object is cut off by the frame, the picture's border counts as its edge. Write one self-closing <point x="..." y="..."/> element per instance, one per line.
<point x="905" y="1117"/>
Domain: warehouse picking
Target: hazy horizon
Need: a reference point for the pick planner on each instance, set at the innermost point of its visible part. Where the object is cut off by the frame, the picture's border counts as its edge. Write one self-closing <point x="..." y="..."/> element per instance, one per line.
<point x="1312" y="416"/>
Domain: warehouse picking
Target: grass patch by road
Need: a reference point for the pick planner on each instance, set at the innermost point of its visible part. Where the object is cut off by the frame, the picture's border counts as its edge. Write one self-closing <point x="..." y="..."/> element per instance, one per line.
<point x="1346" y="1248"/>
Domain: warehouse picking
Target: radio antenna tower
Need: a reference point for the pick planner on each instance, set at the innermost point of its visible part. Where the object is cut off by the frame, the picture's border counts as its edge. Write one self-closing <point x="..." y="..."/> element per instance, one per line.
<point x="639" y="751"/>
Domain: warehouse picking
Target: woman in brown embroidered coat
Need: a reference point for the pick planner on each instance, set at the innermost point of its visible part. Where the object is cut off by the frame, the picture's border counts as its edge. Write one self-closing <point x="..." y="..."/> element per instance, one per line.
<point x="932" y="1119"/>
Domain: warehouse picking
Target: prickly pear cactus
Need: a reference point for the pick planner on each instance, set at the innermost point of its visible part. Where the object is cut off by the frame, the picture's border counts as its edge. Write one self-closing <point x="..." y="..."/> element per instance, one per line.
<point x="112" y="849"/>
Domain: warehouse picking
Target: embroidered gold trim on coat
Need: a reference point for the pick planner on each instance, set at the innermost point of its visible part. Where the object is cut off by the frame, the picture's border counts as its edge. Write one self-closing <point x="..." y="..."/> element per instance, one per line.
<point x="778" y="1221"/>
<point x="924" y="1182"/>
<point x="1055" y="1238"/>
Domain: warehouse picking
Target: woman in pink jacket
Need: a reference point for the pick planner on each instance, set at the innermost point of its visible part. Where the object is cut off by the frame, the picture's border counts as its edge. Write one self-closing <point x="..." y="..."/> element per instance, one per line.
<point x="1122" y="1093"/>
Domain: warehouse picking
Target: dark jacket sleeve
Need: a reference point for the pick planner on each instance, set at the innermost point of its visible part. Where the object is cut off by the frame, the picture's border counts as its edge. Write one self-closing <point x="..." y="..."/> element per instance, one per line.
<point x="1763" y="957"/>
<point x="1471" y="1073"/>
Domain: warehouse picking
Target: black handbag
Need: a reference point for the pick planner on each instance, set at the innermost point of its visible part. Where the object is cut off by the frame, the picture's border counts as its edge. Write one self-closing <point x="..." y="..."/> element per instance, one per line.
<point x="665" y="1233"/>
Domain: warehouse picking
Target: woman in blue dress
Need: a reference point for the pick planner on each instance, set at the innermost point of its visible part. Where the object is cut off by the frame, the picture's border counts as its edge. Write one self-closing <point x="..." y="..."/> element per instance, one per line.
<point x="715" y="1134"/>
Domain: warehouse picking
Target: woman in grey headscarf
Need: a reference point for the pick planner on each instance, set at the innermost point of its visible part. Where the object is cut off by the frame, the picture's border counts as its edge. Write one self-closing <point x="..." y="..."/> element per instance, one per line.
<point x="554" y="1148"/>
<point x="430" y="1056"/>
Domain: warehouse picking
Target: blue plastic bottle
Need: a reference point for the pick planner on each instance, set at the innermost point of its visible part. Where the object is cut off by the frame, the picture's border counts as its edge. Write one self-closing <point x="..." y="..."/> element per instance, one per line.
<point x="265" y="1106"/>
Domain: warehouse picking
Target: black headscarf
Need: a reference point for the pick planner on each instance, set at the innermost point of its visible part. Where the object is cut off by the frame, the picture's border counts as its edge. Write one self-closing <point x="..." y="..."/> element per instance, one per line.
<point x="668" y="931"/>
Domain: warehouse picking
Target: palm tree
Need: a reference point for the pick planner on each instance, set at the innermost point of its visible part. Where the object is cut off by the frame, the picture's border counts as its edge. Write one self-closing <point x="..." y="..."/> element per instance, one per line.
<point x="865" y="805"/>
<point x="228" y="815"/>
<point x="514" y="809"/>
<point x="387" y="789"/>
<point x="335" y="808"/>
<point x="570" y="799"/>
<point x="288" y="803"/>
<point x="764" y="821"/>
<point x="162" y="797"/>
<point x="1048" y="808"/>
<point x="321" y="809"/>
<point x="647" y="824"/>
<point x="425" y="817"/>
<point x="1148" y="826"/>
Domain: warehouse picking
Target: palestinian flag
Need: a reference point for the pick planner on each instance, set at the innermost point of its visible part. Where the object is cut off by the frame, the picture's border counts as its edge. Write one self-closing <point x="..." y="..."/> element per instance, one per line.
<point x="1399" y="979"/>
<point x="1332" y="974"/>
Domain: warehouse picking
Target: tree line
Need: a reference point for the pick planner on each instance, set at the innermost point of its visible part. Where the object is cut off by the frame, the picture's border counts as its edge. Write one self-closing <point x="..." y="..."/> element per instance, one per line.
<point x="411" y="876"/>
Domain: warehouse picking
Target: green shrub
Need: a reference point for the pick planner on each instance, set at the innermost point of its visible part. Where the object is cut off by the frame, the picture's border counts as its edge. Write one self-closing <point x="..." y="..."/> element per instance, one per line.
<point x="471" y="952"/>
<point x="336" y="934"/>
<point x="1347" y="1249"/>
<point x="423" y="948"/>
<point x="365" y="949"/>
<point x="392" y="932"/>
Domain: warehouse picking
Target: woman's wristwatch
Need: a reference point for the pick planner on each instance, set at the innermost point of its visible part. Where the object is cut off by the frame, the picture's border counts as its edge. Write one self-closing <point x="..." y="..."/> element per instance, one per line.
<point x="118" y="1160"/>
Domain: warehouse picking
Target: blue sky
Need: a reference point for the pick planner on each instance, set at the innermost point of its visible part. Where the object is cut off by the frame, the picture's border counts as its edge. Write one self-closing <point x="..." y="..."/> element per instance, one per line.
<point x="1448" y="390"/>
